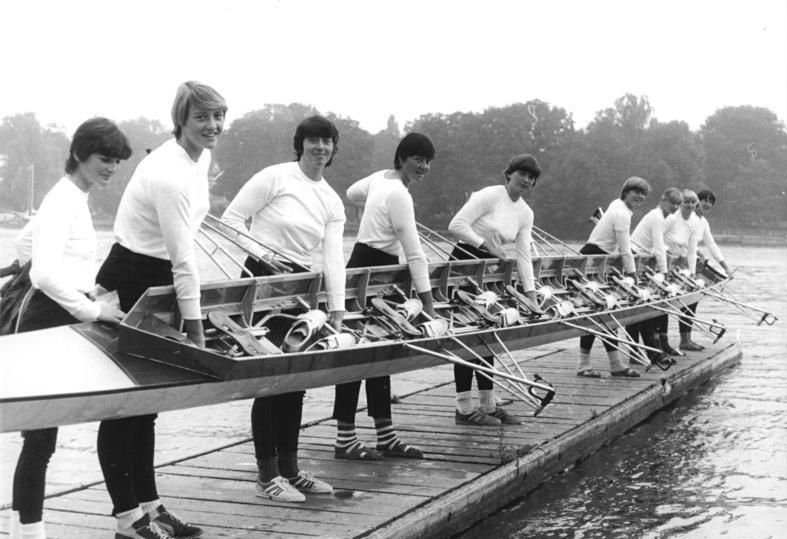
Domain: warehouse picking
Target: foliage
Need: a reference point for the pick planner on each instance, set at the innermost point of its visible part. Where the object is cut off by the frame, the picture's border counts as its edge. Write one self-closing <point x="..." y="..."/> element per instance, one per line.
<point x="740" y="153"/>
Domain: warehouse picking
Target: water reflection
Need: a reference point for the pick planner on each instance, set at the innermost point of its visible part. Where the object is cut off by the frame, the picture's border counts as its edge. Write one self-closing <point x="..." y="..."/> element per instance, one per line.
<point x="712" y="465"/>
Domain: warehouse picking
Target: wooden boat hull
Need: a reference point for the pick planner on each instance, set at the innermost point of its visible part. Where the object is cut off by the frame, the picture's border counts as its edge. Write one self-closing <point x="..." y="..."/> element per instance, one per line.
<point x="91" y="371"/>
<point x="88" y="379"/>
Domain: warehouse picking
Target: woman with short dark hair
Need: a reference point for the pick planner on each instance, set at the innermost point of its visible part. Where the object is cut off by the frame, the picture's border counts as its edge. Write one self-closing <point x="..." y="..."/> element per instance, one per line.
<point x="492" y="217"/>
<point x="387" y="225"/>
<point x="62" y="243"/>
<point x="294" y="211"/>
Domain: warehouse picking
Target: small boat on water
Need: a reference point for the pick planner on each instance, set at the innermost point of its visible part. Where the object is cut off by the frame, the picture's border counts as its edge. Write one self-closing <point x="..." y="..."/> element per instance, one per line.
<point x="92" y="371"/>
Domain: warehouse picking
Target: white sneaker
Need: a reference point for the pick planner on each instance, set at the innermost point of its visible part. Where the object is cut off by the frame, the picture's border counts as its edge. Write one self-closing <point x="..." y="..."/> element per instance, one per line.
<point x="279" y="490"/>
<point x="306" y="482"/>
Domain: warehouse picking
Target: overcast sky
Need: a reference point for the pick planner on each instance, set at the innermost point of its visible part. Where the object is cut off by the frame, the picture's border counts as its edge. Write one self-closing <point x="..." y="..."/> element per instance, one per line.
<point x="68" y="60"/>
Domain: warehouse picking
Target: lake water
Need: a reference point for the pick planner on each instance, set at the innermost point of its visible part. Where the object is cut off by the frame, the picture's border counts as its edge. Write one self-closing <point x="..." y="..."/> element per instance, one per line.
<point x="712" y="465"/>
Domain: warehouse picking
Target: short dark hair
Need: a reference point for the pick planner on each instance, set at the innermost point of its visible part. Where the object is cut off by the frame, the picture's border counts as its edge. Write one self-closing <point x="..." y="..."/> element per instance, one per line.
<point x="524" y="162"/>
<point x="412" y="144"/>
<point x="635" y="183"/>
<point x="315" y="127"/>
<point x="97" y="135"/>
<point x="707" y="194"/>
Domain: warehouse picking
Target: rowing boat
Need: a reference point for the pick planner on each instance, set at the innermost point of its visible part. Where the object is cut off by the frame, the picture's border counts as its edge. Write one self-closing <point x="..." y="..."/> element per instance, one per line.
<point x="93" y="371"/>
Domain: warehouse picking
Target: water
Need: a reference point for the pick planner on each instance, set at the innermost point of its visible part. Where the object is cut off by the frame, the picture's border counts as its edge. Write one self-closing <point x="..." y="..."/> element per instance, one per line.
<point x="713" y="465"/>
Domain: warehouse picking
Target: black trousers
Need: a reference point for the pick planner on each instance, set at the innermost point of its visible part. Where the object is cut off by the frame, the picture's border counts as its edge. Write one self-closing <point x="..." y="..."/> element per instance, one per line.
<point x="126" y="447"/>
<point x="586" y="341"/>
<point x="378" y="390"/>
<point x="38" y="446"/>
<point x="463" y="376"/>
<point x="276" y="420"/>
<point x="685" y="324"/>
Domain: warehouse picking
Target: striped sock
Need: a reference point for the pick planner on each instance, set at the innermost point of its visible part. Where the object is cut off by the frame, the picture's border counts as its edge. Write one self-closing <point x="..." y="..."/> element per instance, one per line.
<point x="386" y="434"/>
<point x="346" y="439"/>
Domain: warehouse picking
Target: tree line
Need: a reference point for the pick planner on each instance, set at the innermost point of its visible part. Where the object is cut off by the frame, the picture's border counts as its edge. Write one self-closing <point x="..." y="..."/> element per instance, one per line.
<point x="739" y="152"/>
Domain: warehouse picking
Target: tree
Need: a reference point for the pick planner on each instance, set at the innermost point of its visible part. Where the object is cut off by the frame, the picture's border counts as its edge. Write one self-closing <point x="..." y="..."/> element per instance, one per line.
<point x="143" y="135"/>
<point x="259" y="139"/>
<point x="31" y="152"/>
<point x="745" y="165"/>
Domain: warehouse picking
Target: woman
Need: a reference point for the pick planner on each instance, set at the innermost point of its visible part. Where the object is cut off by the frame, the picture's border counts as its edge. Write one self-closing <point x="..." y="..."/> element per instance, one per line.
<point x="387" y="225"/>
<point x="158" y="217"/>
<point x="292" y="210"/>
<point x="612" y="235"/>
<point x="706" y="200"/>
<point x="491" y="218"/>
<point x="61" y="243"/>
<point x="683" y="232"/>
<point x="648" y="237"/>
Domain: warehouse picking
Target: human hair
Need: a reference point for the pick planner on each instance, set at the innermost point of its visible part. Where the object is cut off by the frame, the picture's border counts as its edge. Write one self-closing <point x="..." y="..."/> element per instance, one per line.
<point x="672" y="194"/>
<point x="192" y="94"/>
<point x="688" y="194"/>
<point x="524" y="162"/>
<point x="413" y="144"/>
<point x="315" y="127"/>
<point x="635" y="183"/>
<point x="100" y="136"/>
<point x="707" y="194"/>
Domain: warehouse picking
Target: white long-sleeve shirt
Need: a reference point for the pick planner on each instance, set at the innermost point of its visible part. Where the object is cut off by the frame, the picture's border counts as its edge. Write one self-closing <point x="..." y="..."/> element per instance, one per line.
<point x="160" y="213"/>
<point x="388" y="222"/>
<point x="648" y="235"/>
<point x="682" y="236"/>
<point x="612" y="233"/>
<point x="294" y="214"/>
<point x="62" y="245"/>
<point x="709" y="242"/>
<point x="491" y="216"/>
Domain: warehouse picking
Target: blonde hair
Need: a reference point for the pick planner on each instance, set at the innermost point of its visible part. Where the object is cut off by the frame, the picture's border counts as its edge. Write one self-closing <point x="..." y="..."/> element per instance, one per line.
<point x="194" y="94"/>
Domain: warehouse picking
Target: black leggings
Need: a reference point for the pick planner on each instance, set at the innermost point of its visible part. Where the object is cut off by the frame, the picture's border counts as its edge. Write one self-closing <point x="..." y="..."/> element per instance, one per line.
<point x="126" y="447"/>
<point x="463" y="376"/>
<point x="276" y="420"/>
<point x="378" y="390"/>
<point x="586" y="341"/>
<point x="38" y="446"/>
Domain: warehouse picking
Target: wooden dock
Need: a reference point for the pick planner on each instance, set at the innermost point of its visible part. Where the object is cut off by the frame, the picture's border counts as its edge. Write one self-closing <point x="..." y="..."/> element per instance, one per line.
<point x="468" y="472"/>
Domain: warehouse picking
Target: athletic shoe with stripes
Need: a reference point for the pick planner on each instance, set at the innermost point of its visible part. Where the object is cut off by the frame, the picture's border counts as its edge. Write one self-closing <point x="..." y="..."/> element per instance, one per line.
<point x="306" y="482"/>
<point x="173" y="525"/>
<point x="142" y="529"/>
<point x="279" y="490"/>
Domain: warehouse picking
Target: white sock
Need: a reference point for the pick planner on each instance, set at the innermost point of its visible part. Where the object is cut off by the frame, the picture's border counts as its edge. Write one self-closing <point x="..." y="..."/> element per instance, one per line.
<point x="16" y="526"/>
<point x="127" y="518"/>
<point x="464" y="402"/>
<point x="615" y="362"/>
<point x="584" y="360"/>
<point x="34" y="530"/>
<point x="486" y="399"/>
<point x="150" y="508"/>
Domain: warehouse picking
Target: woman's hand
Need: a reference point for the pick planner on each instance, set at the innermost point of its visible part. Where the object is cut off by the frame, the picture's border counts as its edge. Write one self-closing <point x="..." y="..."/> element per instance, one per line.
<point x="335" y="319"/>
<point x="494" y="251"/>
<point x="194" y="332"/>
<point x="110" y="313"/>
<point x="278" y="267"/>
